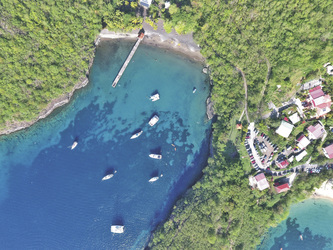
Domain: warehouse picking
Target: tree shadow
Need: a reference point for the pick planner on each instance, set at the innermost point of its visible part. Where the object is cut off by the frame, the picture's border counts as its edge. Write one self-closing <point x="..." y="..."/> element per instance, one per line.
<point x="291" y="238"/>
<point x="230" y="152"/>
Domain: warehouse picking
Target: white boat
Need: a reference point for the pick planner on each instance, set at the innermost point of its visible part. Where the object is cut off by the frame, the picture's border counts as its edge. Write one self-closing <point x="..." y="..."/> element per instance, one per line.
<point x="117" y="229"/>
<point x="153" y="120"/>
<point x="136" y="135"/>
<point x="156" y="156"/>
<point x="154" y="179"/>
<point x="74" y="145"/>
<point x="155" y="97"/>
<point x="109" y="176"/>
<point x="194" y="90"/>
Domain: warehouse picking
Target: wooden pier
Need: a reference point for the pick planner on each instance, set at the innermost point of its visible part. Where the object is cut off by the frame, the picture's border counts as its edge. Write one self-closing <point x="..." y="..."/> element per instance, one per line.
<point x="129" y="58"/>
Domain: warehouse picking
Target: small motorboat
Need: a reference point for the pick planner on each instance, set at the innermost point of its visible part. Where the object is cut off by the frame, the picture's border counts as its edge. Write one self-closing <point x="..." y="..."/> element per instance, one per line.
<point x="74" y="145"/>
<point x="153" y="120"/>
<point x="117" y="229"/>
<point x="156" y="156"/>
<point x="194" y="90"/>
<point x="136" y="135"/>
<point x="155" y="97"/>
<point x="109" y="176"/>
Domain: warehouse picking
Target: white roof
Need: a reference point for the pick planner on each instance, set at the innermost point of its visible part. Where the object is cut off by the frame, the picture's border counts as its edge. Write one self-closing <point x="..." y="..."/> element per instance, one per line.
<point x="330" y="70"/>
<point x="285" y="129"/>
<point x="294" y="118"/>
<point x="301" y="155"/>
<point x="303" y="143"/>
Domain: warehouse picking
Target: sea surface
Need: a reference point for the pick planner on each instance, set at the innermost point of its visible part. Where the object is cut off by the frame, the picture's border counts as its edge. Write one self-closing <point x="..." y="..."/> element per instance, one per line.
<point x="52" y="197"/>
<point x="313" y="219"/>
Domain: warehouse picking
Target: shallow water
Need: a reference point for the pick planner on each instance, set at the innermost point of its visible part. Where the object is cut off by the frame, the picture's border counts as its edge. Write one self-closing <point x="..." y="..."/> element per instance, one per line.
<point x="313" y="219"/>
<point x="53" y="198"/>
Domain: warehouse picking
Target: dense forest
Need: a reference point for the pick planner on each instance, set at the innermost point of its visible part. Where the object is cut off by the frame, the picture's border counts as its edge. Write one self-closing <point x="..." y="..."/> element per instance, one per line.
<point x="47" y="46"/>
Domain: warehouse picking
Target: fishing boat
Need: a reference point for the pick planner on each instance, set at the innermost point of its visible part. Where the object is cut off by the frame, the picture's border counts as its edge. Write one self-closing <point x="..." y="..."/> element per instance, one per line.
<point x="154" y="179"/>
<point x="136" y="135"/>
<point x="109" y="176"/>
<point x="117" y="229"/>
<point x="153" y="120"/>
<point x="156" y="156"/>
<point x="194" y="90"/>
<point x="155" y="97"/>
<point x="74" y="145"/>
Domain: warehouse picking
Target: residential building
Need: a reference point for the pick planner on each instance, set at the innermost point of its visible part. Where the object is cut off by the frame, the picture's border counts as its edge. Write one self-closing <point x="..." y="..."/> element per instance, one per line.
<point x="145" y="3"/>
<point x="282" y="188"/>
<point x="262" y="183"/>
<point x="320" y="102"/>
<point x="285" y="129"/>
<point x="282" y="164"/>
<point x="315" y="132"/>
<point x="328" y="151"/>
<point x="303" y="142"/>
<point x="294" y="118"/>
<point x="301" y="155"/>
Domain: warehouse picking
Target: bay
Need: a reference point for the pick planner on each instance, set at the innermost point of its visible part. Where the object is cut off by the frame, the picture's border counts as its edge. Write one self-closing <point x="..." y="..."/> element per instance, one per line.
<point x="52" y="197"/>
<point x="313" y="219"/>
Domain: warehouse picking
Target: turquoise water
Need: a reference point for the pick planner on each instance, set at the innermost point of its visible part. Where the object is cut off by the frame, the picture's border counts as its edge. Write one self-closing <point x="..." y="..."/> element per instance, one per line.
<point x="313" y="219"/>
<point x="53" y="198"/>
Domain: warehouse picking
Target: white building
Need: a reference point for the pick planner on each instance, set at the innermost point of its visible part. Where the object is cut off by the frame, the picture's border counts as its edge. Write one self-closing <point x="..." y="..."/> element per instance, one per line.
<point x="146" y="3"/>
<point x="285" y="129"/>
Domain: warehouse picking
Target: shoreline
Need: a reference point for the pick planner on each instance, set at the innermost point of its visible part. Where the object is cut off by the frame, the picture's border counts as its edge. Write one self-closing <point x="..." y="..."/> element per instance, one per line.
<point x="324" y="192"/>
<point x="179" y="44"/>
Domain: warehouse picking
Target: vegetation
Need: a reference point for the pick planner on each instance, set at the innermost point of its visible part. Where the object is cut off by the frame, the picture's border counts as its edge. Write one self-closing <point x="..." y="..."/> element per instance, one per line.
<point x="46" y="48"/>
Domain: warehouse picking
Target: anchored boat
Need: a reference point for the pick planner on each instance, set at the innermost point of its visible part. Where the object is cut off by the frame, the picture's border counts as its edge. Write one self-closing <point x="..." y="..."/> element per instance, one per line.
<point x="109" y="176"/>
<point x="74" y="145"/>
<point x="156" y="156"/>
<point x="136" y="135"/>
<point x="154" y="179"/>
<point x="117" y="229"/>
<point x="155" y="97"/>
<point x="153" y="120"/>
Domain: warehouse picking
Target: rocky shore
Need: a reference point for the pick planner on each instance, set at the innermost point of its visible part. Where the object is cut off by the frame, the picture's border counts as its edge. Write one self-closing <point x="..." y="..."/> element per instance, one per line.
<point x="182" y="44"/>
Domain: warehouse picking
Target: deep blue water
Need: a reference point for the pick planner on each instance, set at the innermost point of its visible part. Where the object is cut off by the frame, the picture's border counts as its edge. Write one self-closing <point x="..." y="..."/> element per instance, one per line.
<point x="313" y="219"/>
<point x="53" y="198"/>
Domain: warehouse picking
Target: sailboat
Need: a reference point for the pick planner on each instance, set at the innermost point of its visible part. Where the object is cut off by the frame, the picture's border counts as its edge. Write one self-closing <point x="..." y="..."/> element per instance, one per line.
<point x="74" y="145"/>
<point x="136" y="135"/>
<point x="109" y="176"/>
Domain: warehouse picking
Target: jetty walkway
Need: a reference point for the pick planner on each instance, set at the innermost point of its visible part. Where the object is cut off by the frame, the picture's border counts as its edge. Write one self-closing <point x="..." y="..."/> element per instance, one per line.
<point x="129" y="58"/>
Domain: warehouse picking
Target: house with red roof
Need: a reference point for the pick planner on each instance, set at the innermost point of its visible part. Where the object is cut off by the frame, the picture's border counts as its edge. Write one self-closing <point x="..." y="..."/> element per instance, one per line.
<point x="283" y="164"/>
<point x="282" y="188"/>
<point x="315" y="132"/>
<point x="328" y="151"/>
<point x="321" y="102"/>
<point x="303" y="142"/>
<point x="261" y="181"/>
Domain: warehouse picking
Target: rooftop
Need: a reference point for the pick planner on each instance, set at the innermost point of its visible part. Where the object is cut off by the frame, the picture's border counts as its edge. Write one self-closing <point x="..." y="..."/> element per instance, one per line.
<point x="316" y="131"/>
<point x="282" y="188"/>
<point x="294" y="118"/>
<point x="316" y="92"/>
<point x="303" y="142"/>
<point x="285" y="129"/>
<point x="329" y="151"/>
<point x="301" y="155"/>
<point x="261" y="181"/>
